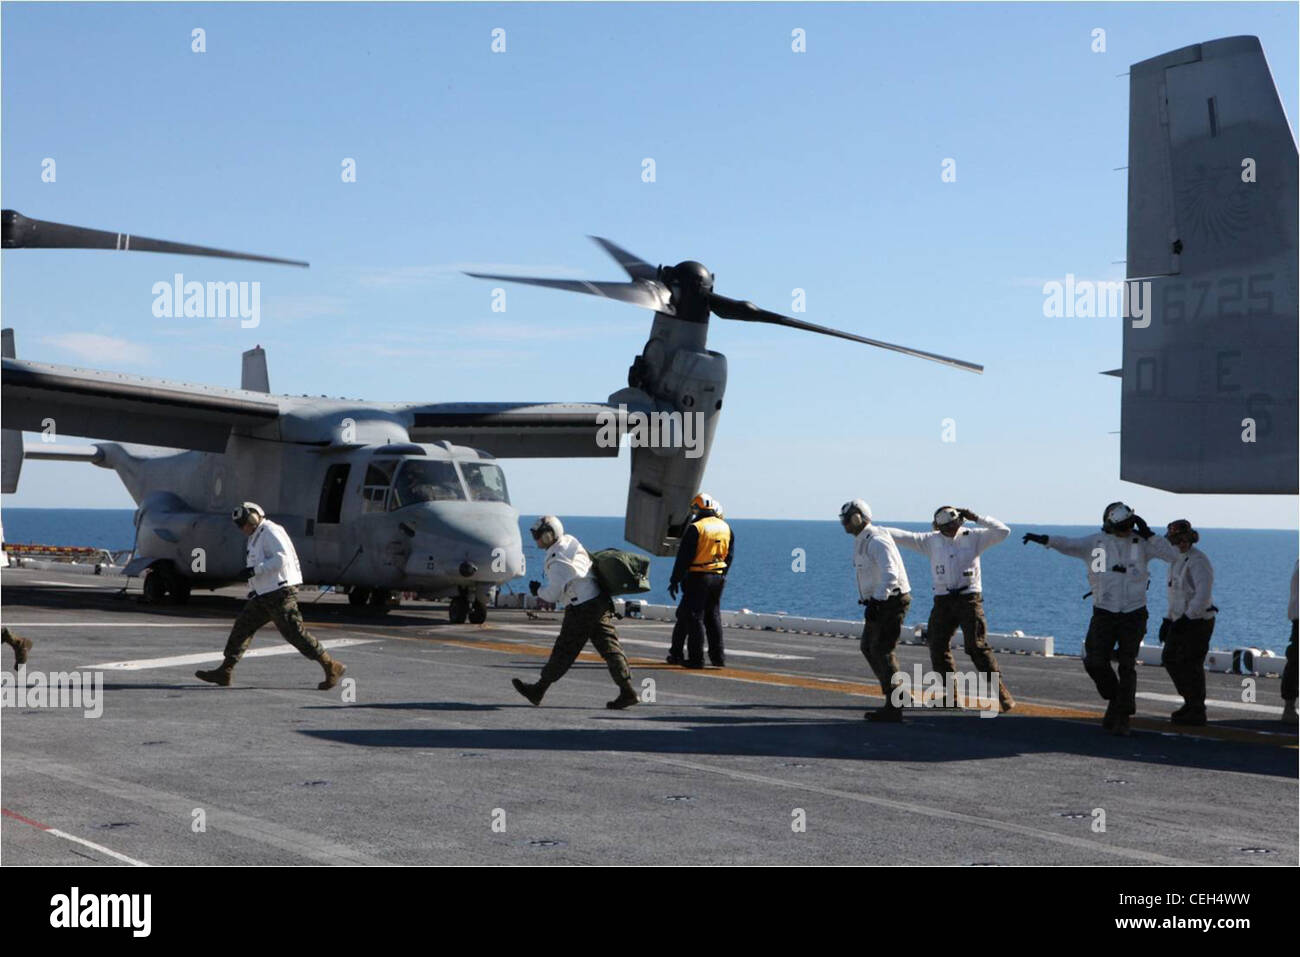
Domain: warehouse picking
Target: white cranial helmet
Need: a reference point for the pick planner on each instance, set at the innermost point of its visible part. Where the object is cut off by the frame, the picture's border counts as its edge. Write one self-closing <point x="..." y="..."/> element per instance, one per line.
<point x="547" y="523"/>
<point x="855" y="506"/>
<point x="246" y="512"/>
<point x="946" y="516"/>
<point x="1116" y="514"/>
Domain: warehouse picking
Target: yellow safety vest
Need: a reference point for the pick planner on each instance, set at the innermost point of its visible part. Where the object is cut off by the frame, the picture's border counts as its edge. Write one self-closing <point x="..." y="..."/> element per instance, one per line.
<point x="714" y="543"/>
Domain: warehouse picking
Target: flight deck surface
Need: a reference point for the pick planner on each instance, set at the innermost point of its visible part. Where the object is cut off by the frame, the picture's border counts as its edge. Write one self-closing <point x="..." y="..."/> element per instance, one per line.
<point x="439" y="761"/>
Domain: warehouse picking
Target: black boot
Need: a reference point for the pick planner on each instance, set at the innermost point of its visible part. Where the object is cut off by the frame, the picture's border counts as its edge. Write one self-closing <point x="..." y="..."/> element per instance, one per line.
<point x="1113" y="712"/>
<point x="626" y="698"/>
<point x="532" y="692"/>
<point x="887" y="714"/>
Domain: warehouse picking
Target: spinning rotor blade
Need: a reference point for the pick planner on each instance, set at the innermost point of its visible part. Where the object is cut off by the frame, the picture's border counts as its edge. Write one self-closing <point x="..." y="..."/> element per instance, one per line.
<point x="642" y="292"/>
<point x="748" y="312"/>
<point x="634" y="266"/>
<point x="20" y="232"/>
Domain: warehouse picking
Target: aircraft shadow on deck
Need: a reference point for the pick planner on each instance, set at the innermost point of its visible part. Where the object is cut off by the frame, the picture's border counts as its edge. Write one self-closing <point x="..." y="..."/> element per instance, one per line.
<point x="923" y="740"/>
<point x="209" y="606"/>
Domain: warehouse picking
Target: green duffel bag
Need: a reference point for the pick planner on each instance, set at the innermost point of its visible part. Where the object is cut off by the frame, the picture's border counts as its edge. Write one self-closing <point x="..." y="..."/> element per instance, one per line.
<point x="619" y="572"/>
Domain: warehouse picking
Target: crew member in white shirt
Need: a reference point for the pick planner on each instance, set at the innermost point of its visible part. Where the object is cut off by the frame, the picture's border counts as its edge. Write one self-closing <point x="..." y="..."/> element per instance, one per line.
<point x="588" y="614"/>
<point x="884" y="589"/>
<point x="1189" y="621"/>
<point x="1117" y="559"/>
<point x="273" y="575"/>
<point x="954" y="556"/>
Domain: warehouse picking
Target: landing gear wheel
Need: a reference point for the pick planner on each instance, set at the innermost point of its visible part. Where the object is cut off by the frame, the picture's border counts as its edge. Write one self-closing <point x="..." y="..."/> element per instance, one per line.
<point x="381" y="600"/>
<point x="179" y="586"/>
<point x="358" y="595"/>
<point x="477" y="613"/>
<point x="459" y="610"/>
<point x="155" y="587"/>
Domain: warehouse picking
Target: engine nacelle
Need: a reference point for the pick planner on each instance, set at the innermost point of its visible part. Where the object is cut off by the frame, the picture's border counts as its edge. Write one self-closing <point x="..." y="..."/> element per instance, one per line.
<point x="683" y="389"/>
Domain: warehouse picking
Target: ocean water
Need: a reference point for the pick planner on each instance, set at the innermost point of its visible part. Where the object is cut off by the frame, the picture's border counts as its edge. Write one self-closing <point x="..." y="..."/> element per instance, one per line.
<point x="1026" y="587"/>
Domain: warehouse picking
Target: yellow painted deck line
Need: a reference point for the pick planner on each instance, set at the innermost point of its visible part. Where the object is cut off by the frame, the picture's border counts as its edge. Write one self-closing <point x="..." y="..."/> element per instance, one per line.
<point x="856" y="688"/>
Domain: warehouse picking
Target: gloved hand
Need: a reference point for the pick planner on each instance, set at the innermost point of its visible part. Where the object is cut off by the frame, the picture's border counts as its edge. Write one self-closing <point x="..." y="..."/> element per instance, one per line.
<point x="1141" y="527"/>
<point x="1032" y="537"/>
<point x="968" y="515"/>
<point x="673" y="589"/>
<point x="246" y="574"/>
<point x="534" y="587"/>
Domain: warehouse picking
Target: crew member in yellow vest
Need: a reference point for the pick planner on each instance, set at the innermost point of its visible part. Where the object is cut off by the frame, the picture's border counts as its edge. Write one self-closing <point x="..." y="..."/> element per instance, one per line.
<point x="703" y="559"/>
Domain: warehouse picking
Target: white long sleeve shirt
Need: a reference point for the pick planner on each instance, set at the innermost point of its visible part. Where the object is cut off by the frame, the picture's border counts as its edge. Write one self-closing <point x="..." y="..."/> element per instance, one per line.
<point x="567" y="569"/>
<point x="954" y="562"/>
<point x="1112" y="590"/>
<point x="1191" y="577"/>
<point x="878" y="565"/>
<point x="273" y="559"/>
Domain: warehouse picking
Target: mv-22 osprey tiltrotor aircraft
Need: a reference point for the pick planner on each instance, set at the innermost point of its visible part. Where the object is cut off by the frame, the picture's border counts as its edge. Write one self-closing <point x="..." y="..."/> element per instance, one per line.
<point x="381" y="497"/>
<point x="377" y="497"/>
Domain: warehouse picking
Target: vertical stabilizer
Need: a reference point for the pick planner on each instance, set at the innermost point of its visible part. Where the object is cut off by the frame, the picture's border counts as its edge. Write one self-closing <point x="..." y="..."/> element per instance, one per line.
<point x="254" y="377"/>
<point x="1210" y="383"/>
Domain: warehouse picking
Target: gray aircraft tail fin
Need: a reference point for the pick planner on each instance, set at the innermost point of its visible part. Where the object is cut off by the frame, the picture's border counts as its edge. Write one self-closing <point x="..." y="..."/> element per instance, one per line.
<point x="254" y="377"/>
<point x="1209" y="373"/>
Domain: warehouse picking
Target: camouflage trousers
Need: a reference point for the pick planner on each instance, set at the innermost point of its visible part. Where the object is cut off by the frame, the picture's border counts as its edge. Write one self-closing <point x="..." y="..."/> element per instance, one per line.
<point x="592" y="620"/>
<point x="882" y="625"/>
<point x="965" y="611"/>
<point x="280" y="607"/>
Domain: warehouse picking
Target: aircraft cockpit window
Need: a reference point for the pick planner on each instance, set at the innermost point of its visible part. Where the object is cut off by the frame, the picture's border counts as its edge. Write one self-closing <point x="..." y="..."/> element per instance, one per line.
<point x="487" y="483"/>
<point x="374" y="493"/>
<point x="426" y="481"/>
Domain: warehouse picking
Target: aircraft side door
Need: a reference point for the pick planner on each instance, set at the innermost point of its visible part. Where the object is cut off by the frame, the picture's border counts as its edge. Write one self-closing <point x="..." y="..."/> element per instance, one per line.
<point x="327" y="530"/>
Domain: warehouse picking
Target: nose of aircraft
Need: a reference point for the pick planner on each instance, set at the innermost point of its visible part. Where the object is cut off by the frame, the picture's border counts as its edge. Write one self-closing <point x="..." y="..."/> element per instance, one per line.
<point x="472" y="540"/>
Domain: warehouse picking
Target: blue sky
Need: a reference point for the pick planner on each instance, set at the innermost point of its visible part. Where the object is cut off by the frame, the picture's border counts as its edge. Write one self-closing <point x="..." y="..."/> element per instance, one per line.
<point x="778" y="170"/>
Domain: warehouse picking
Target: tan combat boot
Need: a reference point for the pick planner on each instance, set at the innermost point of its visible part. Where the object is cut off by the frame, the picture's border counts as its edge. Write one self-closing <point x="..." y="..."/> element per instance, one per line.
<point x="333" y="671"/>
<point x="20" y="646"/>
<point x="219" y="676"/>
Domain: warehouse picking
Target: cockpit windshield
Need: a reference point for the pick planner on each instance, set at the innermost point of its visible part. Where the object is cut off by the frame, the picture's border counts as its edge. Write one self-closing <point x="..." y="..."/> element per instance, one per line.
<point x="487" y="483"/>
<point x="426" y="481"/>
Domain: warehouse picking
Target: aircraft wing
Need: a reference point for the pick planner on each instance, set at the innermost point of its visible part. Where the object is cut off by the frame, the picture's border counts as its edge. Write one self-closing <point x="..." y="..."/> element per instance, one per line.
<point x="38" y="396"/>
<point x="1209" y="377"/>
<point x="521" y="429"/>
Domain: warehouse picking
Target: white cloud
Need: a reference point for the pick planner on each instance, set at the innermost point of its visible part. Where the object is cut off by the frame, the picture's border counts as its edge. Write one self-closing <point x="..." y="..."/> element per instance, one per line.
<point x="100" y="350"/>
